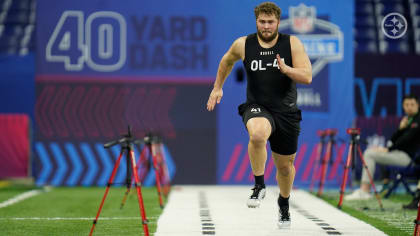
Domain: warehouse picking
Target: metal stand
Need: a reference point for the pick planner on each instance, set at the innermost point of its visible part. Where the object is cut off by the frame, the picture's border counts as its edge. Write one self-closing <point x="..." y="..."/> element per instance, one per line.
<point x="354" y="149"/>
<point x="322" y="134"/>
<point x="151" y="154"/>
<point x="126" y="147"/>
<point x="327" y="158"/>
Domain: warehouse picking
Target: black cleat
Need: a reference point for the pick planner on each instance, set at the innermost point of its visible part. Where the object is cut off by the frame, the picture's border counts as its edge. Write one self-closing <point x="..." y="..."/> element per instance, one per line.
<point x="257" y="196"/>
<point x="284" y="217"/>
<point x="413" y="205"/>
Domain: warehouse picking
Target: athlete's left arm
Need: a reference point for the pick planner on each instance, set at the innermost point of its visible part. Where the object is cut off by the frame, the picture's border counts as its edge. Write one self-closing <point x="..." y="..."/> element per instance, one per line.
<point x="301" y="72"/>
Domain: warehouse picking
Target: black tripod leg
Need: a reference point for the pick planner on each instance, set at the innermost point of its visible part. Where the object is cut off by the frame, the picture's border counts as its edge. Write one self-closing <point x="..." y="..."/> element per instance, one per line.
<point x="139" y="195"/>
<point x="128" y="181"/>
<point x="407" y="188"/>
<point x="393" y="187"/>
<point x="127" y="192"/>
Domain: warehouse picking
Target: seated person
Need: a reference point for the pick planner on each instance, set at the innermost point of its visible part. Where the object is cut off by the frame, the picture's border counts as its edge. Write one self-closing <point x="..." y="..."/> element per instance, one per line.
<point x="405" y="144"/>
<point x="413" y="205"/>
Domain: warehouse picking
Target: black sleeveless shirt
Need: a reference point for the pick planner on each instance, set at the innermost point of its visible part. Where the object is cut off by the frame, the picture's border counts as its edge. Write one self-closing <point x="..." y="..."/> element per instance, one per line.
<point x="267" y="86"/>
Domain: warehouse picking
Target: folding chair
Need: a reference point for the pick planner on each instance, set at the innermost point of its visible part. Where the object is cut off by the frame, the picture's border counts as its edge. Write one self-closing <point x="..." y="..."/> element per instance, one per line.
<point x="403" y="174"/>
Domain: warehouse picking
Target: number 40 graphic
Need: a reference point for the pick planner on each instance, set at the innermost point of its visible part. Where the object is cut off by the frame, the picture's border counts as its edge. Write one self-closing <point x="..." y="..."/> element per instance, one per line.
<point x="74" y="42"/>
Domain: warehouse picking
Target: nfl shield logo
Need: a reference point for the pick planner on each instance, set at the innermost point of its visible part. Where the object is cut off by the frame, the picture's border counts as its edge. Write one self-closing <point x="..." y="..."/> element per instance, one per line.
<point x="303" y="18"/>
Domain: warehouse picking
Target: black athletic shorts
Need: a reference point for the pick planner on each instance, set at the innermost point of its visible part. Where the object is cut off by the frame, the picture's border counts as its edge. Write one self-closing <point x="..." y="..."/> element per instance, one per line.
<point x="285" y="126"/>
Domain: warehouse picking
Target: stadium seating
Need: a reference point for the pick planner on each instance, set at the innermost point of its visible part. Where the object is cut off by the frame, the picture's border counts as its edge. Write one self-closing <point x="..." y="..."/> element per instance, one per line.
<point x="394" y="46"/>
<point x="17" y="26"/>
<point x="369" y="37"/>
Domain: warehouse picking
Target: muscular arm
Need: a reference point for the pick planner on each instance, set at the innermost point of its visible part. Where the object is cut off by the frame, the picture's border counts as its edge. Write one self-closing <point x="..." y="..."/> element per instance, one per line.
<point x="301" y="72"/>
<point x="235" y="52"/>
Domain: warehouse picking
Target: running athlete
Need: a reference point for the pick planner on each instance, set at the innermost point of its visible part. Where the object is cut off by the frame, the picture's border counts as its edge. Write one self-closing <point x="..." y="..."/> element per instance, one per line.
<point x="274" y="63"/>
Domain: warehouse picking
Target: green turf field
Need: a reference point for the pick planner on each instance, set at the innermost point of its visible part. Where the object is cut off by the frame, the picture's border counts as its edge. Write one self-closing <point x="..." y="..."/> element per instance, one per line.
<point x="70" y="211"/>
<point x="393" y="220"/>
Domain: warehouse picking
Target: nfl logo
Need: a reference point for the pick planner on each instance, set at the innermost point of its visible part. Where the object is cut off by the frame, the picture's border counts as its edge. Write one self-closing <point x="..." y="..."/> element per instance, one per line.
<point x="303" y="18"/>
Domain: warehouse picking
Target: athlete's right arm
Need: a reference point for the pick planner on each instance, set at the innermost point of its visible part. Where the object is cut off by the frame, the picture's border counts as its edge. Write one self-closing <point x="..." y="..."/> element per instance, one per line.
<point x="235" y="52"/>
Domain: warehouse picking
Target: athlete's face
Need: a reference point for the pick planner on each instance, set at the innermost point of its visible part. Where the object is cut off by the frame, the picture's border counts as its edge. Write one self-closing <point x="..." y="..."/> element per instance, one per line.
<point x="267" y="27"/>
<point x="410" y="106"/>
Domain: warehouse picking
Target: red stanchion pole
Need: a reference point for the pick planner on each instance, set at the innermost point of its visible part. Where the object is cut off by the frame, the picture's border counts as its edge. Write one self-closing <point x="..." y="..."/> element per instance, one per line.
<point x="318" y="158"/>
<point x="153" y="150"/>
<point x="111" y="179"/>
<point x="141" y="177"/>
<point x="372" y="184"/>
<point x="165" y="172"/>
<point x="326" y="159"/>
<point x="127" y="148"/>
<point x="324" y="167"/>
<point x="142" y="164"/>
<point x="354" y="149"/>
<point x="139" y="195"/>
<point x="346" y="173"/>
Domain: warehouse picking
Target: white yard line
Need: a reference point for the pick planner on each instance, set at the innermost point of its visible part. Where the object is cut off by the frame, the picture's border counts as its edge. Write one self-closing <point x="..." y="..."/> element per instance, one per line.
<point x="20" y="197"/>
<point x="222" y="210"/>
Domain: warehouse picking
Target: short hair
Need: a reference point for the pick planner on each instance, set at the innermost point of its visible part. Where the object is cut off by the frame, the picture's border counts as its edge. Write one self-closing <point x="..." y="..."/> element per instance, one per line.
<point x="411" y="96"/>
<point x="268" y="8"/>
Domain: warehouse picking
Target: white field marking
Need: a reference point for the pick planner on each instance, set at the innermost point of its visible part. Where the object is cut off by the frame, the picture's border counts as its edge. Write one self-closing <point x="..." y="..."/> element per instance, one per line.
<point x="77" y="218"/>
<point x="20" y="197"/>
<point x="230" y="215"/>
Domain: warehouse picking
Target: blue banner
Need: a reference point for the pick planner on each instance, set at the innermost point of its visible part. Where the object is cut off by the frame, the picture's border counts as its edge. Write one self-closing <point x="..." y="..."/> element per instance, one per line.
<point x="103" y="64"/>
<point x="109" y="38"/>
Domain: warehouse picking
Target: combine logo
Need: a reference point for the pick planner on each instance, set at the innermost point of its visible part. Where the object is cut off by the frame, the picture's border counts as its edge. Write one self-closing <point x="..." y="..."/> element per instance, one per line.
<point x="303" y="18"/>
<point x="323" y="40"/>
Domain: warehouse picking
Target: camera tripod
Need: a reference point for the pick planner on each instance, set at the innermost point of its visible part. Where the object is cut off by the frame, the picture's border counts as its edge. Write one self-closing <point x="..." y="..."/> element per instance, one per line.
<point x="126" y="143"/>
<point x="327" y="158"/>
<point x="151" y="154"/>
<point x="322" y="134"/>
<point x="354" y="149"/>
<point x="155" y="145"/>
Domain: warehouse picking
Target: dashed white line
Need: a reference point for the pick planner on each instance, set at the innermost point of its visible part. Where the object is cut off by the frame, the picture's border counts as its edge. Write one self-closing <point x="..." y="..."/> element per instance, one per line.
<point x="230" y="216"/>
